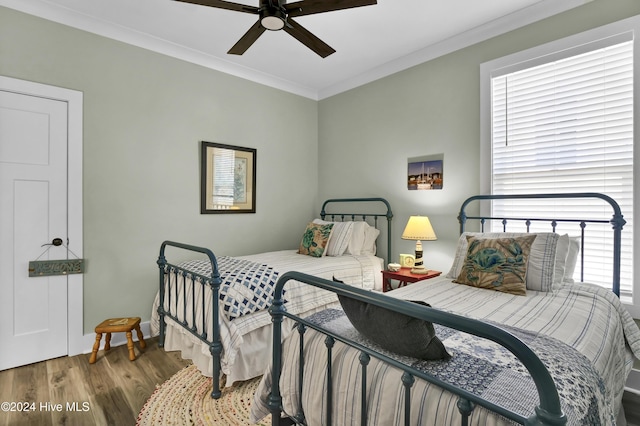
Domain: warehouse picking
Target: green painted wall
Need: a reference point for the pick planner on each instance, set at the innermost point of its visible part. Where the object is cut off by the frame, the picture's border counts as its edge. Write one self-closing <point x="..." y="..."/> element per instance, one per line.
<point x="144" y="115"/>
<point x="367" y="134"/>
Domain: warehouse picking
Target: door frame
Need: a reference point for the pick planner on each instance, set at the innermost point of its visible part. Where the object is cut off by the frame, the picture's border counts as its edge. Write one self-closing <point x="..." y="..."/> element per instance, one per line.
<point x="74" y="101"/>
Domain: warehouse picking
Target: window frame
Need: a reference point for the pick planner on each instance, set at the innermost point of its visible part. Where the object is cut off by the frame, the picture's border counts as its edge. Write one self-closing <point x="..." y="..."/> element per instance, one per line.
<point x="551" y="51"/>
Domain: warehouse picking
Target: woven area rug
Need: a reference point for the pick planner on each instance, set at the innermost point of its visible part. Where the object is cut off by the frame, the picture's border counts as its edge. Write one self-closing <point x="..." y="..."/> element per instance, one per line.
<point x="185" y="399"/>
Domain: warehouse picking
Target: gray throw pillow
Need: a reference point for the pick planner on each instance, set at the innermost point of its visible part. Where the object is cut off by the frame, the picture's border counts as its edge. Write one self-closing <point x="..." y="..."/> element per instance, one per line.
<point x="394" y="331"/>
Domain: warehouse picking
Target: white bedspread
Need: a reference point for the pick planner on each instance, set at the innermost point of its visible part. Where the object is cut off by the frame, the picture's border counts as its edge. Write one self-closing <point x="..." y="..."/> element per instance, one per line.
<point x="584" y="316"/>
<point x="246" y="340"/>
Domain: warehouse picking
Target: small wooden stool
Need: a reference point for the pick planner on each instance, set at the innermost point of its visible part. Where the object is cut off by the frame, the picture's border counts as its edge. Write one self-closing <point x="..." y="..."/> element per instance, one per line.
<point x="117" y="325"/>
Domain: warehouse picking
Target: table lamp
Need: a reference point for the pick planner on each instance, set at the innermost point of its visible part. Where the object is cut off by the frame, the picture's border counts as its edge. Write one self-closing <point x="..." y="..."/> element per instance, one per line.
<point x="419" y="228"/>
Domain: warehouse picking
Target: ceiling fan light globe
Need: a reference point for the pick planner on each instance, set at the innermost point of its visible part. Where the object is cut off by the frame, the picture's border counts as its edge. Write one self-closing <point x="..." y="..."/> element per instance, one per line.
<point x="272" y="23"/>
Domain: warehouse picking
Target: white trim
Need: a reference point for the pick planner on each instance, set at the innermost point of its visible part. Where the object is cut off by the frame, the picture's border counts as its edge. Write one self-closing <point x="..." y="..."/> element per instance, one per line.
<point x="563" y="52"/>
<point x="633" y="309"/>
<point x="633" y="382"/>
<point x="526" y="16"/>
<point x="74" y="100"/>
<point x="484" y="32"/>
<point x="56" y="13"/>
<point x="618" y="29"/>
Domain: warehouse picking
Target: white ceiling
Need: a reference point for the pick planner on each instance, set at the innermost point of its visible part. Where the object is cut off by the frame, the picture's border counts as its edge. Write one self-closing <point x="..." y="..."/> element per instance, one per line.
<point x="370" y="42"/>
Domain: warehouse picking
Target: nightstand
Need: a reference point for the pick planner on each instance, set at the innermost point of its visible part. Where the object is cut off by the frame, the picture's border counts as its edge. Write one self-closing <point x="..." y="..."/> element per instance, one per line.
<point x="404" y="276"/>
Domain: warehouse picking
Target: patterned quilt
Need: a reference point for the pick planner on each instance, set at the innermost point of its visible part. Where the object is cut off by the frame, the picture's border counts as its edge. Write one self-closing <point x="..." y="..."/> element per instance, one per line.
<point x="362" y="271"/>
<point x="484" y="368"/>
<point x="581" y="332"/>
<point x="246" y="287"/>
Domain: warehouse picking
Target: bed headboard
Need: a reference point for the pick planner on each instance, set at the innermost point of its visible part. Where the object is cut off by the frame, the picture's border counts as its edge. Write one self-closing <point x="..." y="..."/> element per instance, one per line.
<point x="377" y="207"/>
<point x="616" y="221"/>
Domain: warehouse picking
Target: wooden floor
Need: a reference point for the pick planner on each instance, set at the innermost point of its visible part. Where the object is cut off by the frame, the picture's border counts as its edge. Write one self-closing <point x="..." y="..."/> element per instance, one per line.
<point x="70" y="391"/>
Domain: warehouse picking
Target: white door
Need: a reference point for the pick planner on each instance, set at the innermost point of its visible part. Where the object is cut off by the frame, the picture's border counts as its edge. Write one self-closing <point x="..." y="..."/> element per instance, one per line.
<point x="33" y="211"/>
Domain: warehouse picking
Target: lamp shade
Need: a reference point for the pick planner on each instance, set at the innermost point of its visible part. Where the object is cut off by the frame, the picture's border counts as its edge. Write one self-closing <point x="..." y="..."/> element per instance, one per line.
<point x="419" y="228"/>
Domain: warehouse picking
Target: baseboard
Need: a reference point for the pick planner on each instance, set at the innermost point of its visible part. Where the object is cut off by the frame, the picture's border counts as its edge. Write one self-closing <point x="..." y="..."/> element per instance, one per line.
<point x="633" y="382"/>
<point x="117" y="339"/>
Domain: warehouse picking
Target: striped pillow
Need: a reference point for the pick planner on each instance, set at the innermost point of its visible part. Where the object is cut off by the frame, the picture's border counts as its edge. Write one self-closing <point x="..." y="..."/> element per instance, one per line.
<point x="340" y="237"/>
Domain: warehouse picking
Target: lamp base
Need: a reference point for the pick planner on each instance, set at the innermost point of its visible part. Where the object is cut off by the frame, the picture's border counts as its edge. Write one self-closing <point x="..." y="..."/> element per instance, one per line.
<point x="419" y="271"/>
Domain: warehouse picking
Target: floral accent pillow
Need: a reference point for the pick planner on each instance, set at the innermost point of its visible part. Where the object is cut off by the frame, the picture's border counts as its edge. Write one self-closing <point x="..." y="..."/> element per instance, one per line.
<point x="315" y="239"/>
<point x="498" y="264"/>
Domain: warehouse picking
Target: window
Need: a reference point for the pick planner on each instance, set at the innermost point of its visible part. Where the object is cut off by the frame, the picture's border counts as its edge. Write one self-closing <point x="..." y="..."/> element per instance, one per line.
<point x="560" y="118"/>
<point x="223" y="170"/>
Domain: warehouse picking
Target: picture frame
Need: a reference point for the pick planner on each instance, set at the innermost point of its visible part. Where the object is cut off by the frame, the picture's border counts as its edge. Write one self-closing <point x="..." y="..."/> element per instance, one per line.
<point x="227" y="179"/>
<point x="425" y="173"/>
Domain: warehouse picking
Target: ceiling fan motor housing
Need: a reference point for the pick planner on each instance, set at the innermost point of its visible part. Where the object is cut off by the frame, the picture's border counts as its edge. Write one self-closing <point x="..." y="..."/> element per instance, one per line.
<point x="272" y="19"/>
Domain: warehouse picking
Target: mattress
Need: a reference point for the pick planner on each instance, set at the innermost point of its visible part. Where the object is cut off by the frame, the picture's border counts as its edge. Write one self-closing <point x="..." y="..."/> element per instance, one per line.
<point x="586" y="317"/>
<point x="246" y="340"/>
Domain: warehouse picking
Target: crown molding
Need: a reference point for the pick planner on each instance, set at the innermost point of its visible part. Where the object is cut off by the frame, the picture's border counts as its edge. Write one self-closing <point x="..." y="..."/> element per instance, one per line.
<point x="65" y="16"/>
<point x="71" y="18"/>
<point x="479" y="34"/>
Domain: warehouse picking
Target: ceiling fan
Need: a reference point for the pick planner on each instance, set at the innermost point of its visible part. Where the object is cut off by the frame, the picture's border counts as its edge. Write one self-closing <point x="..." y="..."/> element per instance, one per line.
<point x="275" y="15"/>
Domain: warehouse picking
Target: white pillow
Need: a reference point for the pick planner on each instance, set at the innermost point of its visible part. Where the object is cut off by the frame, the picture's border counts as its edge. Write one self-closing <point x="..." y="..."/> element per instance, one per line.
<point x="340" y="237"/>
<point x="572" y="259"/>
<point x="562" y="250"/>
<point x="542" y="257"/>
<point x="357" y="238"/>
<point x="370" y="235"/>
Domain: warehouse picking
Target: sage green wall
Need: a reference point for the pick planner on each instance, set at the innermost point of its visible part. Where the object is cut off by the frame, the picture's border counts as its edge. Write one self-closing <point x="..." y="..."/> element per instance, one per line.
<point x="144" y="115"/>
<point x="367" y="134"/>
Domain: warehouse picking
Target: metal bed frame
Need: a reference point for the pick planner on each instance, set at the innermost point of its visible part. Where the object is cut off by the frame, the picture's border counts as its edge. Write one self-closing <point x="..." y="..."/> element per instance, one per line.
<point x="548" y="412"/>
<point x="617" y="222"/>
<point x="388" y="214"/>
<point x="213" y="281"/>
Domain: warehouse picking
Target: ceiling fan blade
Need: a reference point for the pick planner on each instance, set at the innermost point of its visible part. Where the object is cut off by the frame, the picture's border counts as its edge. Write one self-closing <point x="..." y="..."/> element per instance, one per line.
<point x="221" y="4"/>
<point x="247" y="39"/>
<point x="309" y="7"/>
<point x="305" y="37"/>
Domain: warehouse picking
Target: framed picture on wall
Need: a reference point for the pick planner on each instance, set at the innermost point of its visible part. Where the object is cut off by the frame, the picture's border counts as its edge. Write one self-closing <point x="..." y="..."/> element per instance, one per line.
<point x="425" y="173"/>
<point x="227" y="179"/>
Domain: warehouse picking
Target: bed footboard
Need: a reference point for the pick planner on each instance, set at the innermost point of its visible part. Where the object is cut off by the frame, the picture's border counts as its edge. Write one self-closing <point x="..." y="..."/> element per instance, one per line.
<point x="171" y="278"/>
<point x="548" y="412"/>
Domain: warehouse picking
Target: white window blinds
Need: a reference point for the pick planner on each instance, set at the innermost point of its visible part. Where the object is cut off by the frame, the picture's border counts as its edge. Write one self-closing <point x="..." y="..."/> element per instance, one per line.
<point x="566" y="125"/>
<point x="223" y="172"/>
